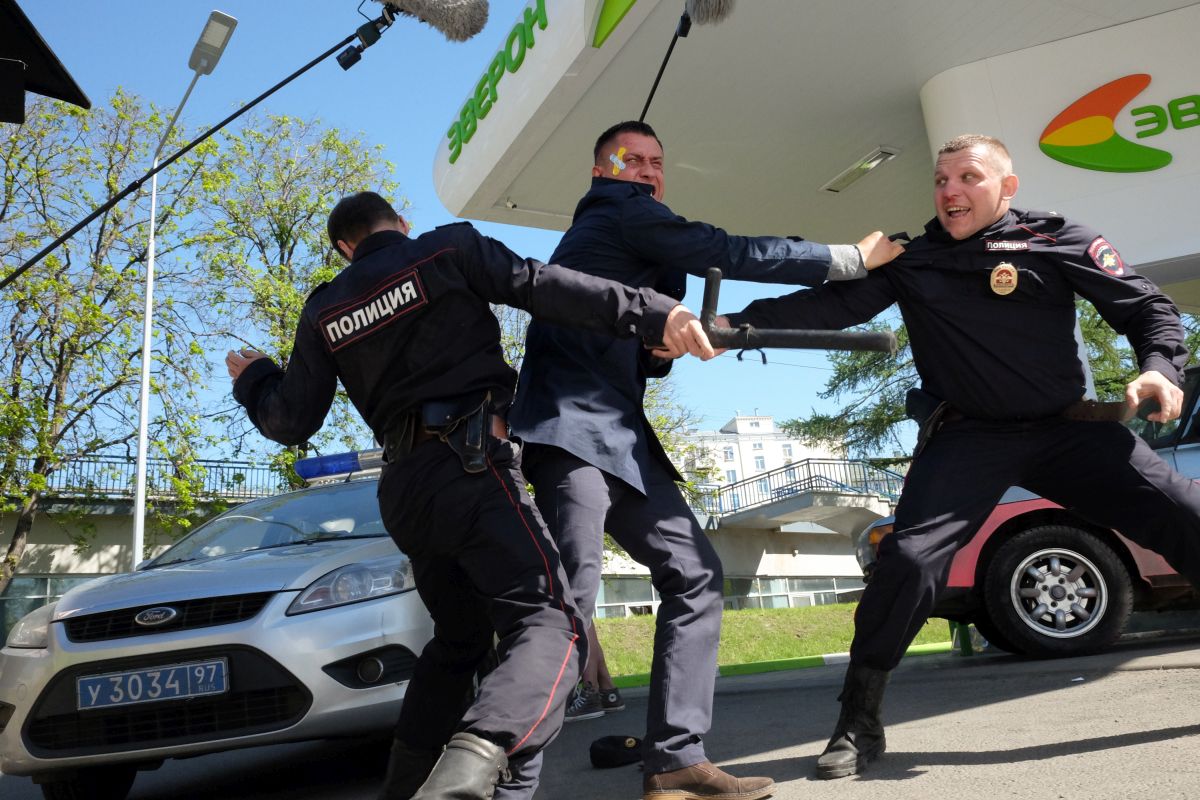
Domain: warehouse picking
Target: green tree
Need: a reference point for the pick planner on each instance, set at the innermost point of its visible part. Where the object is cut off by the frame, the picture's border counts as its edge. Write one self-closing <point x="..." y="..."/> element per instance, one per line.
<point x="69" y="381"/>
<point x="266" y="200"/>
<point x="873" y="385"/>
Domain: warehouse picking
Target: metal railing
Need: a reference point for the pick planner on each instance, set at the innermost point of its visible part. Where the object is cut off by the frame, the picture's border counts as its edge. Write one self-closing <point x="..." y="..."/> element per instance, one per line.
<point x="113" y="478"/>
<point x="852" y="476"/>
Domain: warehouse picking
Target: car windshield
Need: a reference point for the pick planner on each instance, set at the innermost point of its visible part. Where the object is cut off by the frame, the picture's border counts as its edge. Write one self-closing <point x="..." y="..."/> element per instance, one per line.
<point x="341" y="511"/>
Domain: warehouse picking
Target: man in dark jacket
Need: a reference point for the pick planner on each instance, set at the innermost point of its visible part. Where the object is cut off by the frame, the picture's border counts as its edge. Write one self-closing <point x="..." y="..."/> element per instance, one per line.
<point x="408" y="331"/>
<point x="988" y="299"/>
<point x="598" y="466"/>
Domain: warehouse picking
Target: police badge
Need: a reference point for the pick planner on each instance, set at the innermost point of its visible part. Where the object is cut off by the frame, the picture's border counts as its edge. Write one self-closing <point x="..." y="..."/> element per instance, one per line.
<point x="1004" y="278"/>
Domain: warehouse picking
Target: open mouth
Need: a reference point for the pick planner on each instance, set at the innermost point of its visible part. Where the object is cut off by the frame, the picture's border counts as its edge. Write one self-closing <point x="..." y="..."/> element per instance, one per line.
<point x="956" y="212"/>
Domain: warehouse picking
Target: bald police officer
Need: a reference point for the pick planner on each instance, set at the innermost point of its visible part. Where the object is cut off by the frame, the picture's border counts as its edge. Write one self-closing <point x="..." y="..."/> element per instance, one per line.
<point x="987" y="295"/>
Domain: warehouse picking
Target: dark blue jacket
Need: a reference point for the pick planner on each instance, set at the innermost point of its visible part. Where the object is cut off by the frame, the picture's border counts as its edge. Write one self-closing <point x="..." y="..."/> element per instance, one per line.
<point x="582" y="391"/>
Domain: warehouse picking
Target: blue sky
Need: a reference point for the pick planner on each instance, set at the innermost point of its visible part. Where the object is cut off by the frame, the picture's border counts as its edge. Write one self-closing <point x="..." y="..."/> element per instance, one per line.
<point x="403" y="95"/>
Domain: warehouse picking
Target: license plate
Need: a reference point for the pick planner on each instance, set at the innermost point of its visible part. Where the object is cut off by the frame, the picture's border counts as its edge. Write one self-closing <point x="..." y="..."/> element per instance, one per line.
<point x="173" y="682"/>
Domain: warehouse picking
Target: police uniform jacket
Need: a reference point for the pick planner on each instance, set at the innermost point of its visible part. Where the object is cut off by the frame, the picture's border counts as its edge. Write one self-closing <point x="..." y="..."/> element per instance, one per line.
<point x="583" y="391"/>
<point x="408" y="322"/>
<point x="991" y="318"/>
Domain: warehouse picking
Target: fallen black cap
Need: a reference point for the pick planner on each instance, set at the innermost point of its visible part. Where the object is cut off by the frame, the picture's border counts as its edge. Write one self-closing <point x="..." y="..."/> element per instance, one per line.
<point x="615" y="751"/>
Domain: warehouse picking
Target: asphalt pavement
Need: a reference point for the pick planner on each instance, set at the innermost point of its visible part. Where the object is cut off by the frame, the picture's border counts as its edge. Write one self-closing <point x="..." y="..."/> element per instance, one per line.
<point x="1123" y="724"/>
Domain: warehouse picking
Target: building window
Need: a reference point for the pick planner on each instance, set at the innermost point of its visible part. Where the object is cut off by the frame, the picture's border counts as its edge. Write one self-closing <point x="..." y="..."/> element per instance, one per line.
<point x="757" y="446"/>
<point x="626" y="596"/>
<point x="729" y="454"/>
<point x="760" y="462"/>
<point x="731" y="475"/>
<point x="787" y="451"/>
<point x="753" y="423"/>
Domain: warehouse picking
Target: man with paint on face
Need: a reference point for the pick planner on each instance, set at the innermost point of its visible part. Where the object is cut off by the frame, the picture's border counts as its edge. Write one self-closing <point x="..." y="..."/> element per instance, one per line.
<point x="598" y="466"/>
<point x="988" y="298"/>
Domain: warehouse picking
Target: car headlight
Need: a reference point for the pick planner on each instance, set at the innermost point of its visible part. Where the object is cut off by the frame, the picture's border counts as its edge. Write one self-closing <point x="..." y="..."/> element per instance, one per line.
<point x="867" y="548"/>
<point x="32" y="632"/>
<point x="354" y="583"/>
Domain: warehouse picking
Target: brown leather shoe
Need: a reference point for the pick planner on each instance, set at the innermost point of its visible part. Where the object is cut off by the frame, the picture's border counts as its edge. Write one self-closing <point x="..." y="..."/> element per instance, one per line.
<point x="704" y="781"/>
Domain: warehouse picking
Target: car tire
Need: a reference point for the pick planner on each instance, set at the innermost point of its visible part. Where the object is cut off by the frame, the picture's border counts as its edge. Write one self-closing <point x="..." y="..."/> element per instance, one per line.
<point x="1080" y="603"/>
<point x="110" y="782"/>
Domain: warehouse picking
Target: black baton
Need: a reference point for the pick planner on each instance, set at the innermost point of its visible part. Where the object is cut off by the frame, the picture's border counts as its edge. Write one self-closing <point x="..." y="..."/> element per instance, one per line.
<point x="747" y="337"/>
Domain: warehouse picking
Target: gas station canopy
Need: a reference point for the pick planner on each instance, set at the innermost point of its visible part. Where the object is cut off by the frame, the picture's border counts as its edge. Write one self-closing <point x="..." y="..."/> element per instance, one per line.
<point x="760" y="111"/>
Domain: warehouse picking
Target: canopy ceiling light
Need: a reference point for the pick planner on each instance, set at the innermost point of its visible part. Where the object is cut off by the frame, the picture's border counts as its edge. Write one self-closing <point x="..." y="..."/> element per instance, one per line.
<point x="860" y="168"/>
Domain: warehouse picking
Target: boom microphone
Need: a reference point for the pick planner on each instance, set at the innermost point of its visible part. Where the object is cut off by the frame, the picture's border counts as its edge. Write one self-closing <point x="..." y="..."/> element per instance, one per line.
<point x="708" y="12"/>
<point x="459" y="20"/>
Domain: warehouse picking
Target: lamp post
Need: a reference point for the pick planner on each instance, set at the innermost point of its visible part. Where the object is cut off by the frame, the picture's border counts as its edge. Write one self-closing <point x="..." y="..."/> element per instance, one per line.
<point x="203" y="60"/>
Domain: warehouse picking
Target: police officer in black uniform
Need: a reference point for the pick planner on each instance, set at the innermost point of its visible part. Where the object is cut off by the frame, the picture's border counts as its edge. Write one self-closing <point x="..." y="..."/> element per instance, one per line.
<point x="987" y="295"/>
<point x="408" y="331"/>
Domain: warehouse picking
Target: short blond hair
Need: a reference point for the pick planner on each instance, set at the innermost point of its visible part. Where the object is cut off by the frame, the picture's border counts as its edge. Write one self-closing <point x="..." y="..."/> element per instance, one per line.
<point x="997" y="153"/>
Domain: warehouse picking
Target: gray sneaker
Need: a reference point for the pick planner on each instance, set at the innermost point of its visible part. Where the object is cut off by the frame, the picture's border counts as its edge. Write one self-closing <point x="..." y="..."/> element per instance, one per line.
<point x="585" y="704"/>
<point x="611" y="700"/>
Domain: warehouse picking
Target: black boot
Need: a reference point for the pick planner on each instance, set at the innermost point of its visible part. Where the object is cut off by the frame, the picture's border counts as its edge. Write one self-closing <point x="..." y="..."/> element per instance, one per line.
<point x="858" y="737"/>
<point x="469" y="769"/>
<point x="407" y="769"/>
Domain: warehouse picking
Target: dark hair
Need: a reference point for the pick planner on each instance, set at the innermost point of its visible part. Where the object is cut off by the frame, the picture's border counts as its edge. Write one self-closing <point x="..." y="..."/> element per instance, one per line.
<point x="355" y="215"/>
<point x="630" y="126"/>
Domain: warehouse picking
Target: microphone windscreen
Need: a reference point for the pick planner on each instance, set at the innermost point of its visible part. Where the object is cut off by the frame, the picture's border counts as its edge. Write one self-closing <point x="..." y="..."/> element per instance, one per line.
<point x="708" y="12"/>
<point x="459" y="20"/>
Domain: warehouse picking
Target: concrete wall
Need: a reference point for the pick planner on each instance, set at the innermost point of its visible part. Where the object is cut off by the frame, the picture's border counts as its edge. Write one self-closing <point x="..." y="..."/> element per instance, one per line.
<point x="749" y="552"/>
<point x="109" y="531"/>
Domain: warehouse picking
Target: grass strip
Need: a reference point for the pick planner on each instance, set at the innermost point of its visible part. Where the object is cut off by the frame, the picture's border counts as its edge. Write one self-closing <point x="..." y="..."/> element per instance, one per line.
<point x="754" y="636"/>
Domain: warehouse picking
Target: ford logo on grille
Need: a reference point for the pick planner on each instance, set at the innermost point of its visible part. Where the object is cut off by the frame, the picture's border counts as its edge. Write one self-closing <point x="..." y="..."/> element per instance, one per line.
<point x="153" y="617"/>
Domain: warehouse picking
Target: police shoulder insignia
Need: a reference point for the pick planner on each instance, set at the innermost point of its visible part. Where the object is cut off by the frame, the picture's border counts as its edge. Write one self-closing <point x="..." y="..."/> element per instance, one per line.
<point x="1106" y="257"/>
<point x="1004" y="278"/>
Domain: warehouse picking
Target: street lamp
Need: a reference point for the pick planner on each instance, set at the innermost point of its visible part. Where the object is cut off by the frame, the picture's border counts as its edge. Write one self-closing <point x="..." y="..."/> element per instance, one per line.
<point x="202" y="61"/>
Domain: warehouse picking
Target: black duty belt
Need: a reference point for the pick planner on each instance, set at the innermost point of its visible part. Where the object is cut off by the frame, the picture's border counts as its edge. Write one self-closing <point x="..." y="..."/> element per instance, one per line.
<point x="463" y="423"/>
<point x="1082" y="411"/>
<point x="931" y="413"/>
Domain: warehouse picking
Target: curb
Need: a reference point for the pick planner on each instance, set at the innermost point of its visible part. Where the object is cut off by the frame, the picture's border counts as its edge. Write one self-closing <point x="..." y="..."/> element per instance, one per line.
<point x="778" y="665"/>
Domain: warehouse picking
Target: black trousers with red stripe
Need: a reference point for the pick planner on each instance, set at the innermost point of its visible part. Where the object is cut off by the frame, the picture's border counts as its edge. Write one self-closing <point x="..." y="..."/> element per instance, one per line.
<point x="483" y="563"/>
<point x="1100" y="471"/>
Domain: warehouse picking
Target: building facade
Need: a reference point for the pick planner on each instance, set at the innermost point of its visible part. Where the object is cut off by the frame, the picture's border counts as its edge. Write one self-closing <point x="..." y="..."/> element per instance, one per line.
<point x="746" y="446"/>
<point x="790" y="565"/>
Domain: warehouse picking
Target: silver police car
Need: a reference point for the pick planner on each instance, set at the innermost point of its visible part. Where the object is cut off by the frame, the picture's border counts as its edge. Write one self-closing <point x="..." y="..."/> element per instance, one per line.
<point x="285" y="619"/>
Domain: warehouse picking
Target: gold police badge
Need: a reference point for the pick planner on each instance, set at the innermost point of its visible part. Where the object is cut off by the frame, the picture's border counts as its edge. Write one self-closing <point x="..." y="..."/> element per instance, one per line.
<point x="1004" y="278"/>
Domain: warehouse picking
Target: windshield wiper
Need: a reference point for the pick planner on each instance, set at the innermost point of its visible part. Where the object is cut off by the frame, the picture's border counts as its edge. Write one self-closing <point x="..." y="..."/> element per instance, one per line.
<point x="334" y="535"/>
<point x="158" y="564"/>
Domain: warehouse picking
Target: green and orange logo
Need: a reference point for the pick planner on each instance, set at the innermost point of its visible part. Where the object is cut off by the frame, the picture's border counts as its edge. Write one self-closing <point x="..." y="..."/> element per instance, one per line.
<point x="1084" y="134"/>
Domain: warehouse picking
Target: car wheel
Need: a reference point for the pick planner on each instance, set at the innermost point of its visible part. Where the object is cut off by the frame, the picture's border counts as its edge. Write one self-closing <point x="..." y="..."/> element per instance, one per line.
<point x="110" y="782"/>
<point x="983" y="623"/>
<point x="1057" y="591"/>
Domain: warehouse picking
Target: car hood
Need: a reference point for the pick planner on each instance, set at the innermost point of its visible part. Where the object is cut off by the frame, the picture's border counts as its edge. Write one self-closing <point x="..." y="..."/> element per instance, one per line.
<point x="272" y="570"/>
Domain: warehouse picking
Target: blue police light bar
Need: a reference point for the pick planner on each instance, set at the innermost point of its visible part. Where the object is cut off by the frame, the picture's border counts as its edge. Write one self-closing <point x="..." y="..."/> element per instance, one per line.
<point x="338" y="464"/>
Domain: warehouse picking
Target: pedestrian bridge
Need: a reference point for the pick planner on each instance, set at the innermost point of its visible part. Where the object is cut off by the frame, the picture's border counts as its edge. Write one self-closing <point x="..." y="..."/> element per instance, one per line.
<point x="843" y="495"/>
